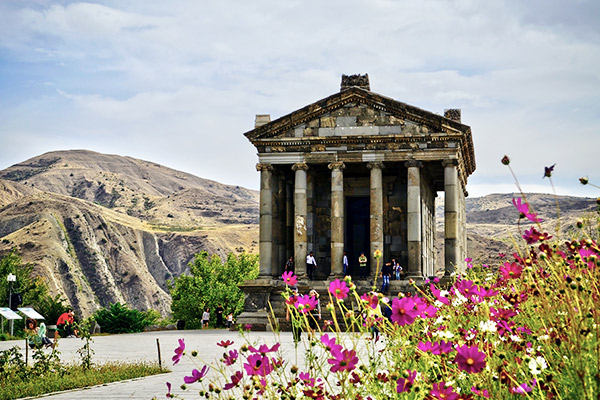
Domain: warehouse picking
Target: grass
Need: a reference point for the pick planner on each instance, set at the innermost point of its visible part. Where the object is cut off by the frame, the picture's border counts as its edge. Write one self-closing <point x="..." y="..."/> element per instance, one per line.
<point x="74" y="377"/>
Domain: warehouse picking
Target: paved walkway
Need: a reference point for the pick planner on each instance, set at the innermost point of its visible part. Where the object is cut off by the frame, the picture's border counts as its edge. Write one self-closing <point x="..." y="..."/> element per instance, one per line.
<point x="142" y="346"/>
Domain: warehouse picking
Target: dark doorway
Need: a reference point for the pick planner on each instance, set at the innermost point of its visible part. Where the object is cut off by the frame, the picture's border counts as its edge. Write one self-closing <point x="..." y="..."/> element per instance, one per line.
<point x="357" y="231"/>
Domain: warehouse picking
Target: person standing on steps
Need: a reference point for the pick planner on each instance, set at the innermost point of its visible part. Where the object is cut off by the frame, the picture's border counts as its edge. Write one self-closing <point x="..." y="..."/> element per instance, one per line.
<point x="386" y="272"/>
<point x="311" y="265"/>
<point x="362" y="263"/>
<point x="289" y="265"/>
<point x="345" y="264"/>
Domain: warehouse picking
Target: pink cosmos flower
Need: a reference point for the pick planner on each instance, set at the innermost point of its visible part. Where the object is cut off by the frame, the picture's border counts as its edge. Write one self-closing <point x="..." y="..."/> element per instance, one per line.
<point x="225" y="343"/>
<point x="523" y="388"/>
<point x="435" y="347"/>
<point x="264" y="349"/>
<point x="482" y="392"/>
<point x="258" y="364"/>
<point x="425" y="310"/>
<point x="344" y="360"/>
<point x="470" y="359"/>
<point x="404" y="384"/>
<point x="511" y="270"/>
<point x="306" y="379"/>
<point x="231" y="358"/>
<point x="179" y="352"/>
<point x="329" y="344"/>
<point x="371" y="299"/>
<point x="443" y="392"/>
<point x="438" y="295"/>
<point x="403" y="311"/>
<point x="339" y="289"/>
<point x="196" y="375"/>
<point x="305" y="303"/>
<point x="235" y="380"/>
<point x="524" y="211"/>
<point x="467" y="288"/>
<point x="289" y="278"/>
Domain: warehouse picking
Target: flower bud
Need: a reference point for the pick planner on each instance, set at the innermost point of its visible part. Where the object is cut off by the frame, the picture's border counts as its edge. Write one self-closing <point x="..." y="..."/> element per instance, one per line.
<point x="584" y="180"/>
<point x="505" y="160"/>
<point x="579" y="223"/>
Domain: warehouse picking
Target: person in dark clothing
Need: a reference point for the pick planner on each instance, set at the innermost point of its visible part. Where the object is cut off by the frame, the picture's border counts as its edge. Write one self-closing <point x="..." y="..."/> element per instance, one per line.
<point x="219" y="311"/>
<point x="289" y="265"/>
<point x="386" y="272"/>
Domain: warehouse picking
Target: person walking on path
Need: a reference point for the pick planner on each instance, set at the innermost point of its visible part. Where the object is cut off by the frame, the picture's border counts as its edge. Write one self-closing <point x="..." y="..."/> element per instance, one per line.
<point x="345" y="264"/>
<point x="362" y="263"/>
<point x="219" y="312"/>
<point x="311" y="265"/>
<point x="205" y="318"/>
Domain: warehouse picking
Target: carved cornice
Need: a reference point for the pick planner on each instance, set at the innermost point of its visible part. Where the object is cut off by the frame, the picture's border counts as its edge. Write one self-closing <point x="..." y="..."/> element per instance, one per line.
<point x="413" y="163"/>
<point x="300" y="166"/>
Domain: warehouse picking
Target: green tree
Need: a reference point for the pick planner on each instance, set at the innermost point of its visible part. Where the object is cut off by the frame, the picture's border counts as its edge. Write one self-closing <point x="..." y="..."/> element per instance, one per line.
<point x="32" y="289"/>
<point x="118" y="318"/>
<point x="211" y="283"/>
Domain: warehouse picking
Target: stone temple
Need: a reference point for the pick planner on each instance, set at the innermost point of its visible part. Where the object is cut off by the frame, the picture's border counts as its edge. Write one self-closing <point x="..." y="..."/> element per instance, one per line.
<point x="358" y="172"/>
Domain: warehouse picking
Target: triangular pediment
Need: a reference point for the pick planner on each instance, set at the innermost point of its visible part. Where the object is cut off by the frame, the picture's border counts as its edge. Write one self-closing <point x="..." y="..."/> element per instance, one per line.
<point x="354" y="112"/>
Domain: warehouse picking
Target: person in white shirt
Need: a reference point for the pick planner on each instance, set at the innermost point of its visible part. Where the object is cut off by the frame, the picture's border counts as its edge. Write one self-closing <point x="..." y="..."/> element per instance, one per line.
<point x="345" y="264"/>
<point x="311" y="265"/>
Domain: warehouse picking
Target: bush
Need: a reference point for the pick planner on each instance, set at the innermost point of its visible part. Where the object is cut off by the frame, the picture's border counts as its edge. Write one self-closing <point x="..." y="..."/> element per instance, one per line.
<point x="118" y="318"/>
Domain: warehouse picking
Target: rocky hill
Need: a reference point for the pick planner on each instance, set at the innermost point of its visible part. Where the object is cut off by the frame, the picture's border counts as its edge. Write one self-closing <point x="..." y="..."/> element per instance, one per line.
<point x="103" y="228"/>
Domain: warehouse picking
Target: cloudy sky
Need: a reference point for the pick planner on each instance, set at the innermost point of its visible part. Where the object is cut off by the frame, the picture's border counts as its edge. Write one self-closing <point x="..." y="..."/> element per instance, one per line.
<point x="178" y="82"/>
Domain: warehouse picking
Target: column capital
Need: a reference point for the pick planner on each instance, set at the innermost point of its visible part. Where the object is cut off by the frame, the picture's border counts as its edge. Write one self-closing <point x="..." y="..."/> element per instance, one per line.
<point x="300" y="166"/>
<point x="413" y="163"/>
<point x="375" y="164"/>
<point x="264" y="167"/>
<point x="337" y="165"/>
<point x="450" y="163"/>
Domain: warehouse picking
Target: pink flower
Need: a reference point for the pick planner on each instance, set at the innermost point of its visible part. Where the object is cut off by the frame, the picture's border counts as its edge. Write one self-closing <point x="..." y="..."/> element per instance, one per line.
<point x="435" y="347"/>
<point x="467" y="288"/>
<point x="511" y="270"/>
<point x="404" y="384"/>
<point x="196" y="375"/>
<point x="289" y="278"/>
<point x="235" y="380"/>
<point x="438" y="295"/>
<point x="263" y="349"/>
<point x="403" y="311"/>
<point x="339" y="289"/>
<point x="425" y="310"/>
<point x="179" y="352"/>
<point x="443" y="392"/>
<point x="330" y="344"/>
<point x="470" y="359"/>
<point x="231" y="358"/>
<point x="305" y="303"/>
<point x="344" y="360"/>
<point x="524" y="211"/>
<point x="523" y="388"/>
<point x="225" y="343"/>
<point x="306" y="379"/>
<point x="371" y="299"/>
<point x="482" y="392"/>
<point x="169" y="394"/>
<point x="258" y="364"/>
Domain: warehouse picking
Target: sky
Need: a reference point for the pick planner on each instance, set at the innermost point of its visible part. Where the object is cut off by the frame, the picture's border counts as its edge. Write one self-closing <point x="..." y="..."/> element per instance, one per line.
<point x="179" y="82"/>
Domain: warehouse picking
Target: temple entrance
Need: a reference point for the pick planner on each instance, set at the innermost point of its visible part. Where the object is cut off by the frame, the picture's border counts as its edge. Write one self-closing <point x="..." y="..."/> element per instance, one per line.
<point x="357" y="231"/>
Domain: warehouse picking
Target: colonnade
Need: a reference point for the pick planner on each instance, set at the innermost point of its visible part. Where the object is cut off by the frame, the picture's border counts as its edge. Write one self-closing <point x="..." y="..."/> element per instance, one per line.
<point x="454" y="232"/>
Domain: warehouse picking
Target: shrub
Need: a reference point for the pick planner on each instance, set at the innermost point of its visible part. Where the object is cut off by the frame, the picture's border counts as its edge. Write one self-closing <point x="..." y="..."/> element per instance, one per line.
<point x="118" y="318"/>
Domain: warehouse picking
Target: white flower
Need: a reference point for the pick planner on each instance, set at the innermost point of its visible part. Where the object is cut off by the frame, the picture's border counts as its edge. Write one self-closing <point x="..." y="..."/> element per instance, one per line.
<point x="444" y="293"/>
<point x="459" y="299"/>
<point x="487" y="326"/>
<point x="444" y="334"/>
<point x="515" y="338"/>
<point x="544" y="337"/>
<point x="438" y="304"/>
<point x="537" y="365"/>
<point x="439" y="320"/>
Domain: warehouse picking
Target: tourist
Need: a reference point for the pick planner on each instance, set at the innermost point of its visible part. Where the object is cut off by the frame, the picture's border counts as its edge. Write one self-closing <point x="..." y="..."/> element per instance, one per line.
<point x="311" y="265"/>
<point x="386" y="272"/>
<point x="65" y="324"/>
<point x="205" y="318"/>
<point x="345" y="264"/>
<point x="362" y="263"/>
<point x="289" y="265"/>
<point x="37" y="335"/>
<point x="219" y="312"/>
<point x="229" y="320"/>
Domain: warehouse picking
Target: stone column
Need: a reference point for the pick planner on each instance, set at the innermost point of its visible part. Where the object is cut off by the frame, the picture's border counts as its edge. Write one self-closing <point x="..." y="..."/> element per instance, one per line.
<point x="266" y="220"/>
<point x="376" y="214"/>
<point x="300" y="211"/>
<point x="337" y="218"/>
<point x="414" y="220"/>
<point x="451" y="216"/>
